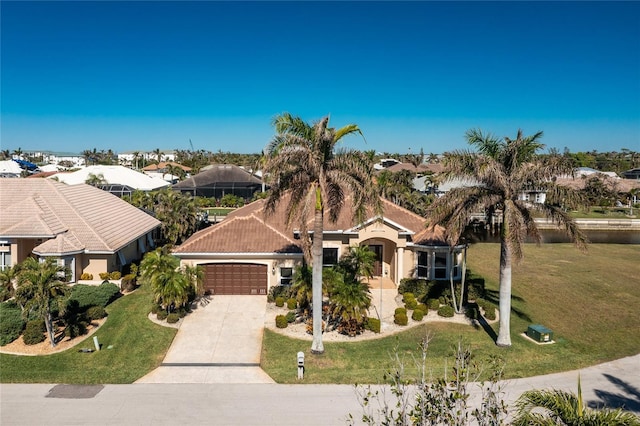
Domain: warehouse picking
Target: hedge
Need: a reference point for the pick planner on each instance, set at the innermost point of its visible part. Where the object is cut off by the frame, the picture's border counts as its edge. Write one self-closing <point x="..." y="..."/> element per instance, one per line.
<point x="90" y="295"/>
<point x="11" y="322"/>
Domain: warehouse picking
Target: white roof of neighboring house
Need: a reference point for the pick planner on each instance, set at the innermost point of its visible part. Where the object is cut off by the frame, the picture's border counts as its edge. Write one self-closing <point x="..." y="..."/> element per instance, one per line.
<point x="70" y="218"/>
<point x="50" y="168"/>
<point x="113" y="175"/>
<point x="10" y="167"/>
<point x="586" y="171"/>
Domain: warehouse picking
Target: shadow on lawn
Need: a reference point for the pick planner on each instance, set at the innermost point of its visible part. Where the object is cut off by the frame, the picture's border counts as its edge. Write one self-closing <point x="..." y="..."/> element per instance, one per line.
<point x="494" y="297"/>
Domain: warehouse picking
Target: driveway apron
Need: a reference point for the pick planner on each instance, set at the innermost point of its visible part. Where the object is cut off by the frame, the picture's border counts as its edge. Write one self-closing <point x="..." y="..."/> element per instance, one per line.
<point x="219" y="342"/>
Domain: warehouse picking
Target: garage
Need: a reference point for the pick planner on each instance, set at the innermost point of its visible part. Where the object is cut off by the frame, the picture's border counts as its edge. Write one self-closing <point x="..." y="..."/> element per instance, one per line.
<point x="235" y="278"/>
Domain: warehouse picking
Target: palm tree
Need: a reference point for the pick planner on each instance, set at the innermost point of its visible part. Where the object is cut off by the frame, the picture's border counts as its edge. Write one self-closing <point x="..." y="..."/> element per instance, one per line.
<point x="358" y="263"/>
<point x="158" y="154"/>
<point x="302" y="163"/>
<point x="502" y="170"/>
<point x="169" y="285"/>
<point x="18" y="153"/>
<point x="39" y="287"/>
<point x="302" y="286"/>
<point x="349" y="302"/>
<point x="95" y="180"/>
<point x="555" y="407"/>
<point x="195" y="277"/>
<point x="8" y="277"/>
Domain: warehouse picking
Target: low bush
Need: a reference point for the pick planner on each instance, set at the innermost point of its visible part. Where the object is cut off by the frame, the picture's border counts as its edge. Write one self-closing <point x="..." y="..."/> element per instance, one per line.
<point x="173" y="318"/>
<point x="433" y="304"/>
<point x="155" y="308"/>
<point x="400" y="311"/>
<point x="86" y="276"/>
<point x="11" y="322"/>
<point x="411" y="304"/>
<point x="291" y="316"/>
<point x="372" y="324"/>
<point x="446" y="311"/>
<point x="129" y="282"/>
<point x="422" y="307"/>
<point x="96" y="313"/>
<point x="91" y="295"/>
<point x="292" y="303"/>
<point x="490" y="312"/>
<point x="279" y="301"/>
<point x="401" y="319"/>
<point x="115" y="275"/>
<point x="418" y="287"/>
<point x="277" y="291"/>
<point x="417" y="315"/>
<point x="472" y="311"/>
<point x="281" y="321"/>
<point x="408" y="296"/>
<point x="104" y="275"/>
<point x="34" y="332"/>
<point x="162" y="314"/>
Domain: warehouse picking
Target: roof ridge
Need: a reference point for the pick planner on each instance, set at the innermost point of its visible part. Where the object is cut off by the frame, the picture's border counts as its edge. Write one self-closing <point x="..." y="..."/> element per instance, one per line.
<point x="253" y="214"/>
<point x="417" y="216"/>
<point x="206" y="232"/>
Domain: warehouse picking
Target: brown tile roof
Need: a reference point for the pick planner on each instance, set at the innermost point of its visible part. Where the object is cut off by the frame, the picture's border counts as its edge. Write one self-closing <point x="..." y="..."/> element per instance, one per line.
<point x="163" y="165"/>
<point x="79" y="217"/>
<point x="617" y="184"/>
<point x="248" y="230"/>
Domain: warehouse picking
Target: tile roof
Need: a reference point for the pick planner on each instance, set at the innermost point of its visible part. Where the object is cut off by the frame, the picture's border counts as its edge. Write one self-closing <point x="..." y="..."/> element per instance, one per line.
<point x="163" y="165"/>
<point x="75" y="217"/>
<point x="248" y="230"/>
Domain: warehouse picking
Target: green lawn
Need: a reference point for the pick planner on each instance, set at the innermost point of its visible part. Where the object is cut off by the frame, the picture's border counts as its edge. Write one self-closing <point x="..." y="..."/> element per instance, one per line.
<point x="138" y="347"/>
<point x="589" y="300"/>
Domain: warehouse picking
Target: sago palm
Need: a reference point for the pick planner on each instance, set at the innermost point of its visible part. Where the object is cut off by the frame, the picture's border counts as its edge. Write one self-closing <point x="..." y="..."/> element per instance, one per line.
<point x="499" y="173"/>
<point x="40" y="285"/>
<point x="302" y="163"/>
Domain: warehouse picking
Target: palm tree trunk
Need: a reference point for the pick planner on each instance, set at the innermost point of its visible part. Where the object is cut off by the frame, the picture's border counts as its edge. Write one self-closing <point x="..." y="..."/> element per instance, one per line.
<point x="504" y="332"/>
<point x="48" y="323"/>
<point x="316" y="282"/>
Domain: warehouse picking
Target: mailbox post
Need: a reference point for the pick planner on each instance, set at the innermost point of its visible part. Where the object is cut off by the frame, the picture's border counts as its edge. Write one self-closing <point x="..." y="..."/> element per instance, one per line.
<point x="300" y="365"/>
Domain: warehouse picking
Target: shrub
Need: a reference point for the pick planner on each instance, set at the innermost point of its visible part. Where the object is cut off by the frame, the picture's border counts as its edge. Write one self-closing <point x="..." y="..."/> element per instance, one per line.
<point x="401" y="319"/>
<point x="91" y="295"/>
<point x="417" y="315"/>
<point x="104" y="275"/>
<point x="86" y="276"/>
<point x="276" y="291"/>
<point x="279" y="301"/>
<point x="412" y="285"/>
<point x="472" y="311"/>
<point x="400" y="311"/>
<point x="11" y="322"/>
<point x="292" y="303"/>
<point x="446" y="311"/>
<point x="411" y="304"/>
<point x="162" y="314"/>
<point x="129" y="282"/>
<point x="96" y="313"/>
<point x="372" y="324"/>
<point x="291" y="316"/>
<point x="408" y="296"/>
<point x="281" y="321"/>
<point x="115" y="275"/>
<point x="422" y="307"/>
<point x="490" y="312"/>
<point x="155" y="308"/>
<point x="433" y="304"/>
<point x="173" y="318"/>
<point x="34" y="332"/>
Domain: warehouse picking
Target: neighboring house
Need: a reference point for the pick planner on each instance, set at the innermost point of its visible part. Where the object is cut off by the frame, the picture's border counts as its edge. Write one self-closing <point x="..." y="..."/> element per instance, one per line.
<point x="632" y="174"/>
<point x="248" y="253"/>
<point x="84" y="228"/>
<point x="118" y="180"/>
<point x="221" y="179"/>
<point x="161" y="170"/>
<point x="10" y="169"/>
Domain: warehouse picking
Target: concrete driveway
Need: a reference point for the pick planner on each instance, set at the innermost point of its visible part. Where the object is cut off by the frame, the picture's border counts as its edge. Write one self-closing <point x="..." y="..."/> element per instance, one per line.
<point x="219" y="342"/>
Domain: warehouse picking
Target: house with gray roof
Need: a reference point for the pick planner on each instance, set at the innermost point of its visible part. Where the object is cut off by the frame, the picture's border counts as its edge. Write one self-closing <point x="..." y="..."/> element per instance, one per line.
<point x="84" y="228"/>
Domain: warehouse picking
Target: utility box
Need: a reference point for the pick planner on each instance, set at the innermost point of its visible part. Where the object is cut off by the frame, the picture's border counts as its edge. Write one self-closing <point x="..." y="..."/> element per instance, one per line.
<point x="539" y="333"/>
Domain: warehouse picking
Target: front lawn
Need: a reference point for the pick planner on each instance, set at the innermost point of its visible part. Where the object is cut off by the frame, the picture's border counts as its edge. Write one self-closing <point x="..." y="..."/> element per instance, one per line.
<point x="589" y="300"/>
<point x="138" y="346"/>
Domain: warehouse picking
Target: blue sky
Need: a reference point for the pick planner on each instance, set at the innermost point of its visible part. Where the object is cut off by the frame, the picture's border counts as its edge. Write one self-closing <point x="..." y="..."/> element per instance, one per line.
<point x="146" y="75"/>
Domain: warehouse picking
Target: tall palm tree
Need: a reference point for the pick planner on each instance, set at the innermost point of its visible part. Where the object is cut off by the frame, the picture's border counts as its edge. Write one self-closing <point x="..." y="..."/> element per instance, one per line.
<point x="158" y="154"/>
<point x="502" y="170"/>
<point x="169" y="285"/>
<point x="303" y="163"/>
<point x="40" y="286"/>
<point x="555" y="407"/>
<point x="195" y="277"/>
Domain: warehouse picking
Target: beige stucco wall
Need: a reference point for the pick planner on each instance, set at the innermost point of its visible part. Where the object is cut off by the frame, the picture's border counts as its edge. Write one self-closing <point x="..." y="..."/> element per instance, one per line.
<point x="95" y="264"/>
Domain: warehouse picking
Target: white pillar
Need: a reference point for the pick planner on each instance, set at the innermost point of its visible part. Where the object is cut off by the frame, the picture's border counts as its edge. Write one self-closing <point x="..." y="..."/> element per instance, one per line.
<point x="400" y="263"/>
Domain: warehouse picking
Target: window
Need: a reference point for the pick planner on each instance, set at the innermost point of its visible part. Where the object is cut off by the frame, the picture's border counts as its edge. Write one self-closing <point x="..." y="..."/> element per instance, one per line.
<point x="423" y="264"/>
<point x="440" y="266"/>
<point x="5" y="256"/>
<point x="286" y="276"/>
<point x="329" y="256"/>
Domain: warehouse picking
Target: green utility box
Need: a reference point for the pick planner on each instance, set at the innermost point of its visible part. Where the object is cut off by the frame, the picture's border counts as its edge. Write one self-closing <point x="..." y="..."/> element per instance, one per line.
<point x="540" y="333"/>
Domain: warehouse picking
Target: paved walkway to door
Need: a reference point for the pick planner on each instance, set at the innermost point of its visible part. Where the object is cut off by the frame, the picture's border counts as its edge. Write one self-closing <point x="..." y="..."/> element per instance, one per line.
<point x="217" y="343"/>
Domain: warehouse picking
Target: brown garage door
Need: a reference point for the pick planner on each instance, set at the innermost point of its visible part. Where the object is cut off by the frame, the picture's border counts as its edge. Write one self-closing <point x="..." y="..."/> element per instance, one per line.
<point x="235" y="278"/>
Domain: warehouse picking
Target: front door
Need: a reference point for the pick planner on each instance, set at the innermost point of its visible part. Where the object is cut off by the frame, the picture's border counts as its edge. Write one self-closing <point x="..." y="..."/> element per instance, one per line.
<point x="377" y="266"/>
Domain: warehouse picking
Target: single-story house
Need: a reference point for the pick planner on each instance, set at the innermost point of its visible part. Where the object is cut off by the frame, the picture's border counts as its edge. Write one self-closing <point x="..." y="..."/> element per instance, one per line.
<point x="10" y="169"/>
<point x="118" y="180"/>
<point x="248" y="253"/>
<point x="217" y="180"/>
<point x="84" y="228"/>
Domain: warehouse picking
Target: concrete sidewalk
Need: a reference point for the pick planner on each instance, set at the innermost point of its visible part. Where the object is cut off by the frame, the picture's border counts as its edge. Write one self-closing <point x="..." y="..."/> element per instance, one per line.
<point x="220" y="342"/>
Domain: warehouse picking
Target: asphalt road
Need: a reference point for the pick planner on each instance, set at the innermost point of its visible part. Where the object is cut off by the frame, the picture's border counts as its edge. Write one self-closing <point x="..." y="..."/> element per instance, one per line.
<point x="614" y="384"/>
